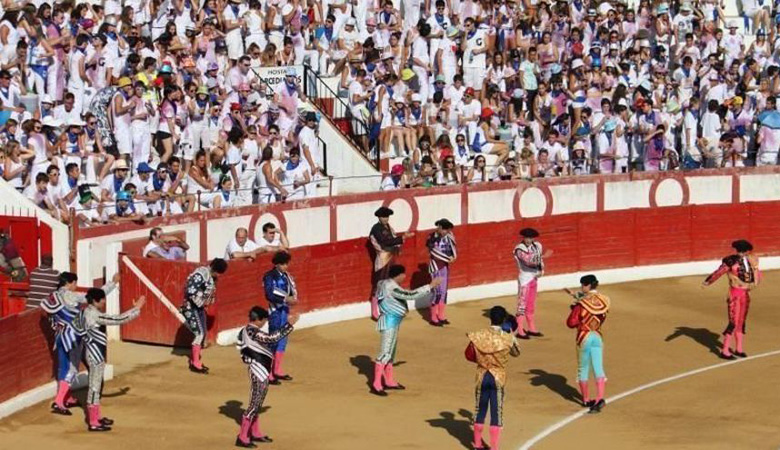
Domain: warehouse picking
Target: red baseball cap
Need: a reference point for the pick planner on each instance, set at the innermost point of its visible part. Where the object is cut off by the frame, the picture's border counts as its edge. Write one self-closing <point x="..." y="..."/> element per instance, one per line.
<point x="486" y="113"/>
<point x="470" y="91"/>
<point x="235" y="106"/>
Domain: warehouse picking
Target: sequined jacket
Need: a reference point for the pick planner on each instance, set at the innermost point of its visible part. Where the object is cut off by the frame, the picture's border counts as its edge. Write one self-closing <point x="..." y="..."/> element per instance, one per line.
<point x="493" y="348"/>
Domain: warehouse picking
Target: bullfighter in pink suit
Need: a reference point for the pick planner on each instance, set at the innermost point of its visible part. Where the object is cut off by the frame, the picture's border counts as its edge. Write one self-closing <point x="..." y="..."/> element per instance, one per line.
<point x="743" y="274"/>
<point x="530" y="264"/>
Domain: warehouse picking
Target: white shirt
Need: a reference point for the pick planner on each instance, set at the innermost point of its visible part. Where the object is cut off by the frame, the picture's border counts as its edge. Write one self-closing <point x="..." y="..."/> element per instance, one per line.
<point x="308" y="138"/>
<point x="148" y="248"/>
<point x="233" y="247"/>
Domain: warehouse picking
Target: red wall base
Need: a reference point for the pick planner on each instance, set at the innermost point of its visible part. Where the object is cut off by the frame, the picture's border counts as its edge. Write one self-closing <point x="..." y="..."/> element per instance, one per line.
<point x="26" y="352"/>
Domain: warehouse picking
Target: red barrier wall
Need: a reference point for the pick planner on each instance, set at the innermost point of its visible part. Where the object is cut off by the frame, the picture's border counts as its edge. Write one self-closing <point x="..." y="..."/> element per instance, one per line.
<point x="157" y="325"/>
<point x="25" y="350"/>
<point x="339" y="273"/>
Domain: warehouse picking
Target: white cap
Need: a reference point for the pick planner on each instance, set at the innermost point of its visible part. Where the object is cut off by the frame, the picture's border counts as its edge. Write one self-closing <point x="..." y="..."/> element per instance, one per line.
<point x="287" y="9"/>
<point x="623" y="102"/>
<point x="579" y="146"/>
<point x="733" y="24"/>
<point x="714" y="76"/>
<point x="416" y="97"/>
<point x="47" y="99"/>
<point x="576" y="64"/>
<point x="50" y="121"/>
<point x="351" y="21"/>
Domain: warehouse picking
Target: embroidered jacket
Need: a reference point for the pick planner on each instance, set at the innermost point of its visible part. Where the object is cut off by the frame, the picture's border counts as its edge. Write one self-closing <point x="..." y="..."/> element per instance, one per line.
<point x="393" y="302"/>
<point x="588" y="314"/>
<point x="63" y="306"/>
<point x="529" y="260"/>
<point x="91" y="325"/>
<point x="257" y="348"/>
<point x="493" y="347"/>
<point x="442" y="249"/>
<point x="200" y="287"/>
<point x="385" y="243"/>
<point x="279" y="288"/>
<point x="737" y="265"/>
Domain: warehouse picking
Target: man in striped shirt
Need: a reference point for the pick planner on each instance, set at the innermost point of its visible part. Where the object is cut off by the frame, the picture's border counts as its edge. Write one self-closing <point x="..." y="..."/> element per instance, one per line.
<point x="91" y="324"/>
<point x="257" y="351"/>
<point x="43" y="281"/>
<point x="392" y="308"/>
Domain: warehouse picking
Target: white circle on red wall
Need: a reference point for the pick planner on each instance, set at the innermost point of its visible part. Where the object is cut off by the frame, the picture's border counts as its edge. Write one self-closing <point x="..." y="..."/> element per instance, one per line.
<point x="533" y="203"/>
<point x="669" y="193"/>
<point x="401" y="220"/>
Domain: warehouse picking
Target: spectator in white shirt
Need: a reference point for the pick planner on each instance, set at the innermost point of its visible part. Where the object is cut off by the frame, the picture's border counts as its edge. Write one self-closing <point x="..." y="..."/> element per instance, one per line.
<point x="115" y="182"/>
<point x="241" y="247"/>
<point x="295" y="175"/>
<point x="273" y="239"/>
<point x="165" y="246"/>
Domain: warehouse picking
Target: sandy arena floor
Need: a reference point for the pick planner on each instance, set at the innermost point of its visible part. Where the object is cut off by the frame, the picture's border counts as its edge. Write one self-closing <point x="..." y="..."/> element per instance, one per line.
<point x="657" y="329"/>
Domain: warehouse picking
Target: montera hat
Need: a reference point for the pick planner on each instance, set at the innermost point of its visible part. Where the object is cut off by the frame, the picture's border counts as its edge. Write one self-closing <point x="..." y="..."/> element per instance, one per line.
<point x="529" y="233"/>
<point x="383" y="211"/>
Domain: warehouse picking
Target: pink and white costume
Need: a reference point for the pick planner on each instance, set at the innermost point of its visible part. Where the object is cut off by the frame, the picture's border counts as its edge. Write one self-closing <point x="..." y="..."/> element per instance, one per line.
<point x="530" y="266"/>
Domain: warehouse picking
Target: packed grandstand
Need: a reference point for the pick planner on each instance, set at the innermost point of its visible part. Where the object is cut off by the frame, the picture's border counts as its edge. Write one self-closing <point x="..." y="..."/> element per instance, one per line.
<point x="118" y="110"/>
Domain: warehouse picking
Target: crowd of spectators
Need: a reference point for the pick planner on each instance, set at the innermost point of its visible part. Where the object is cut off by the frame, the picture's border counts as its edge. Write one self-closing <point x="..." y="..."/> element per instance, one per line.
<point x="122" y="109"/>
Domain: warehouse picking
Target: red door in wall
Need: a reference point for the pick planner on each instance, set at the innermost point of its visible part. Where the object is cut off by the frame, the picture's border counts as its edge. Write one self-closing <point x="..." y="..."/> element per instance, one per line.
<point x="29" y="236"/>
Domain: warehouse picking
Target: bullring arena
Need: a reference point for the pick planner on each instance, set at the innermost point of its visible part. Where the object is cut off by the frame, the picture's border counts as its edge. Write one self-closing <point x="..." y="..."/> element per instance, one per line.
<point x="650" y="238"/>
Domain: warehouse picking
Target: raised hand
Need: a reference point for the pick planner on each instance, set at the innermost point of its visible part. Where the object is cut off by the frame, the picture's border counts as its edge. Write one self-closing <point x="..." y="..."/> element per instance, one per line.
<point x="140" y="302"/>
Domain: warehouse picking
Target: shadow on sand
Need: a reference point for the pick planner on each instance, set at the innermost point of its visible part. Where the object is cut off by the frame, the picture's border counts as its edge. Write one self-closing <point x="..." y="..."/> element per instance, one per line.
<point x="556" y="383"/>
<point x="702" y="336"/>
<point x="459" y="428"/>
<point x="232" y="409"/>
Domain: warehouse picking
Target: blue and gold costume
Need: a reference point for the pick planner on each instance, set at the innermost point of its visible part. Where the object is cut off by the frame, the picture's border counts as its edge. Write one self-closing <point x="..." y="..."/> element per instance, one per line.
<point x="279" y="290"/>
<point x="279" y="287"/>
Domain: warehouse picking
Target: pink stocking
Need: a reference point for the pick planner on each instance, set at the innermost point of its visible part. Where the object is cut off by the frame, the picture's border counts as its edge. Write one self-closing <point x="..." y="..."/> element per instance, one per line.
<point x="278" y="357"/>
<point x="584" y="391"/>
<point x="374" y="307"/>
<point x="601" y="384"/>
<point x="196" y="356"/>
<point x="378" y="371"/>
<point x="739" y="337"/>
<point x="478" y="427"/>
<point x="529" y="317"/>
<point x="94" y="415"/>
<point x="726" y="344"/>
<point x="495" y="436"/>
<point x="442" y="316"/>
<point x="255" y="429"/>
<point x="62" y="391"/>
<point x="435" y="313"/>
<point x="389" y="376"/>
<point x="243" y="435"/>
<point x="520" y="328"/>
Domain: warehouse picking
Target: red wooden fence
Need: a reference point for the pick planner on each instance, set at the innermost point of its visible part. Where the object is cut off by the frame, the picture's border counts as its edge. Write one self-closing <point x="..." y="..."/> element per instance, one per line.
<point x="339" y="273"/>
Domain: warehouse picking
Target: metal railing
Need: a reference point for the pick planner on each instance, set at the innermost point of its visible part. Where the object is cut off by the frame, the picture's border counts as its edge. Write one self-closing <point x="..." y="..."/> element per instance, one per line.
<point x="354" y="129"/>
